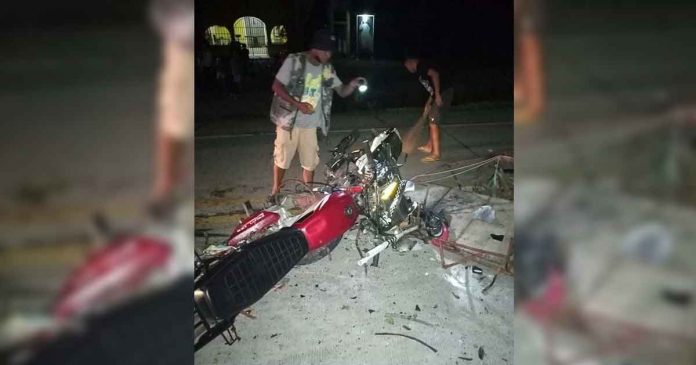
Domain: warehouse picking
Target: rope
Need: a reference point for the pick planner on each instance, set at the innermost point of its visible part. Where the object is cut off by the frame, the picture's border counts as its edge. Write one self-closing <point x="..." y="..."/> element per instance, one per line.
<point x="477" y="164"/>
<point x="483" y="163"/>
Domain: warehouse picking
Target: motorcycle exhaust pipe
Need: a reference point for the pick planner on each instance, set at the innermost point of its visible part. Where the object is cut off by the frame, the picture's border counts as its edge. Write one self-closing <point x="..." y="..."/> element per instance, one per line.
<point x="373" y="252"/>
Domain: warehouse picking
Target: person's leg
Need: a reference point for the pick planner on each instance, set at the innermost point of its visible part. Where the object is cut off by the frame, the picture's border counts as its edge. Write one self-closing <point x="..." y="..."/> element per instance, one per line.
<point x="428" y="147"/>
<point x="307" y="175"/>
<point x="309" y="152"/>
<point x="435" y="140"/>
<point x="278" y="174"/>
<point x="433" y="146"/>
<point x="283" y="153"/>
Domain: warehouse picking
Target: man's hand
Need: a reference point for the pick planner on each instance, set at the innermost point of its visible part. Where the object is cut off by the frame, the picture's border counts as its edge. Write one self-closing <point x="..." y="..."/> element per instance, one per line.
<point x="438" y="100"/>
<point x="305" y="108"/>
<point x="354" y="83"/>
<point x="347" y="89"/>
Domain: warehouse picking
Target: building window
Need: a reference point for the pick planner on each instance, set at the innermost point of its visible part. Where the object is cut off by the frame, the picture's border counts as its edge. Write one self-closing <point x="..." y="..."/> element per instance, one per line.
<point x="218" y="35"/>
<point x="251" y="31"/>
<point x="279" y="35"/>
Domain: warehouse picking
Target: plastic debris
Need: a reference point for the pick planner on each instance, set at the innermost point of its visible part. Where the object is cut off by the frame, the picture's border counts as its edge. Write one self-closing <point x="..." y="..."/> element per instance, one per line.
<point x="485" y="213"/>
<point x="649" y="243"/>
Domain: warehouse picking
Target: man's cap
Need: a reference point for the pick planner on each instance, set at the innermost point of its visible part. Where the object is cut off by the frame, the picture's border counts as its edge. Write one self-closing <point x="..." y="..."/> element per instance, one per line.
<point x="323" y="40"/>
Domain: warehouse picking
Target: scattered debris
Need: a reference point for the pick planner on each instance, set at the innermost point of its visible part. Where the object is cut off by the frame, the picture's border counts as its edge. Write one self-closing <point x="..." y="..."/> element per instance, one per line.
<point x="274" y="335"/>
<point x="407" y="336"/>
<point x="281" y="284"/>
<point x="465" y="358"/>
<point x="485" y="213"/>
<point x="481" y="353"/>
<point x="455" y="295"/>
<point x="406" y="327"/>
<point x="302" y="296"/>
<point x="489" y="285"/>
<point x="417" y="308"/>
<point x="249" y="313"/>
<point x="355" y="297"/>
<point x="476" y="270"/>
<point x="344" y="307"/>
<point x="497" y="237"/>
<point x="650" y="243"/>
<point x="316" y="285"/>
<point x="389" y="319"/>
<point x="680" y="298"/>
<point x="371" y="311"/>
<point x="435" y="306"/>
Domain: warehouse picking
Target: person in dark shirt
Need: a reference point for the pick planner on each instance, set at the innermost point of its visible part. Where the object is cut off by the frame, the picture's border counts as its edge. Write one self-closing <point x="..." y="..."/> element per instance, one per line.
<point x="438" y="84"/>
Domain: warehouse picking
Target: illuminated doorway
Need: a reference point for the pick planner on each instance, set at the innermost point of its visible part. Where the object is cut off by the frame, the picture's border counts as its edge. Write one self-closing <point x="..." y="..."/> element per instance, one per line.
<point x="279" y="35"/>
<point x="251" y="31"/>
<point x="218" y="35"/>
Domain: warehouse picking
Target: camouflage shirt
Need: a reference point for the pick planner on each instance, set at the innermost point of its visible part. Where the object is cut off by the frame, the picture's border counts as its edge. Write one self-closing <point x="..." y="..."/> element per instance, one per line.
<point x="293" y="75"/>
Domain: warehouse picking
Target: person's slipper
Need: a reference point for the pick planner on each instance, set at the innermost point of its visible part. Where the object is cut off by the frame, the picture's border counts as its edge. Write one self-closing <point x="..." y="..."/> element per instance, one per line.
<point x="272" y="200"/>
<point x="430" y="159"/>
<point x="424" y="149"/>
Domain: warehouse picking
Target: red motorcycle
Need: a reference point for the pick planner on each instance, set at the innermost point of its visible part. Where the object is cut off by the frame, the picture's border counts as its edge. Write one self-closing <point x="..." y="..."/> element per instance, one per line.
<point x="133" y="272"/>
<point x="364" y="188"/>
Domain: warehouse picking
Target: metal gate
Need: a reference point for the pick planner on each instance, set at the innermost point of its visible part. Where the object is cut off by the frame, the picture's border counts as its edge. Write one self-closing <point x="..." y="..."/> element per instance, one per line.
<point x="252" y="32"/>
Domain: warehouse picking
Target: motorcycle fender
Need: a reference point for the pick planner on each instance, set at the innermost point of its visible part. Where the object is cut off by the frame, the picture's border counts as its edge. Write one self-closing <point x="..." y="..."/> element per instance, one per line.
<point x="256" y="222"/>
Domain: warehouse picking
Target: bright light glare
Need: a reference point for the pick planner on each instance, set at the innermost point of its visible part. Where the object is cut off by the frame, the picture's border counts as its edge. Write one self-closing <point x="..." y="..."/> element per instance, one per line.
<point x="362" y="88"/>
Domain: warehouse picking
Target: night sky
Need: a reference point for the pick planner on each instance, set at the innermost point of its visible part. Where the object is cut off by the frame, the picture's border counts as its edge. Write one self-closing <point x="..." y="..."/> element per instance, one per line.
<point x="475" y="32"/>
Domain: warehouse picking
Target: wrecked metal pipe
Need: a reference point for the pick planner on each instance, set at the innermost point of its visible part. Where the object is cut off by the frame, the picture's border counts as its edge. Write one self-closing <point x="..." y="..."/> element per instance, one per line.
<point x="373" y="252"/>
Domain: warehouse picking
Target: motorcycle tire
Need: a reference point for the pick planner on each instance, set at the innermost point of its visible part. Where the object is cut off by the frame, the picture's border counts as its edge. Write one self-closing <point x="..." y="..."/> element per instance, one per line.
<point x="319" y="254"/>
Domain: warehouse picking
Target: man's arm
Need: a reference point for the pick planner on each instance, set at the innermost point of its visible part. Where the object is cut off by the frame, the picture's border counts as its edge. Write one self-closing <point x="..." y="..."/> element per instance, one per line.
<point x="344" y="90"/>
<point x="435" y="76"/>
<point x="280" y="90"/>
<point x="347" y="89"/>
<point x="426" y="109"/>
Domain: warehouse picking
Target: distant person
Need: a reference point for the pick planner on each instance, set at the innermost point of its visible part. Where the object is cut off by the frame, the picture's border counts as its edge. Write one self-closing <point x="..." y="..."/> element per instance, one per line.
<point x="236" y="68"/>
<point x="303" y="92"/>
<point x="529" y="73"/>
<point x="439" y="87"/>
<point x="245" y="58"/>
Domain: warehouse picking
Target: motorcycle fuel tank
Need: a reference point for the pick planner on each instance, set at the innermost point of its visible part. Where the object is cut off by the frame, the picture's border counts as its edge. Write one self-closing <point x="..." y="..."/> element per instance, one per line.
<point x="256" y="222"/>
<point x="111" y="272"/>
<point x="332" y="218"/>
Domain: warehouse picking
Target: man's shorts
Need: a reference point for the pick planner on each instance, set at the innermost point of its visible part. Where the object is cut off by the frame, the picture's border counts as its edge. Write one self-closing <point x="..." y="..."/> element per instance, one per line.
<point x="436" y="113"/>
<point x="302" y="140"/>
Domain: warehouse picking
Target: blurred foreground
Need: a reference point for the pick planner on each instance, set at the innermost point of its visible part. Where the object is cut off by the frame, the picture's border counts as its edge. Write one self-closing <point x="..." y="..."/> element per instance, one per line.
<point x="605" y="195"/>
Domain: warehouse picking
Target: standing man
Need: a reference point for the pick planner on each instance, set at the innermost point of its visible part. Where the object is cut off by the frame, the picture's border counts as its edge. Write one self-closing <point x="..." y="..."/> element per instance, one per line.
<point x="174" y="20"/>
<point x="303" y="90"/>
<point x="439" y="86"/>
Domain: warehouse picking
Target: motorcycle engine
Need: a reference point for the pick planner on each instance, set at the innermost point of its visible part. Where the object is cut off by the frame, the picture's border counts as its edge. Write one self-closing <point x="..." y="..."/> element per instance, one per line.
<point x="386" y="201"/>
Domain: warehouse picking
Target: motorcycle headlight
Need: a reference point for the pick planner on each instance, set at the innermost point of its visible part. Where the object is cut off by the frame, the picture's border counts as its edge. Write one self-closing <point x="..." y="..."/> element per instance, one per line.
<point x="389" y="191"/>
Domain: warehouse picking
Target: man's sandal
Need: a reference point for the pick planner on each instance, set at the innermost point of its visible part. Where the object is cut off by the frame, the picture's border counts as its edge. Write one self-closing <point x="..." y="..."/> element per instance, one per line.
<point x="430" y="159"/>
